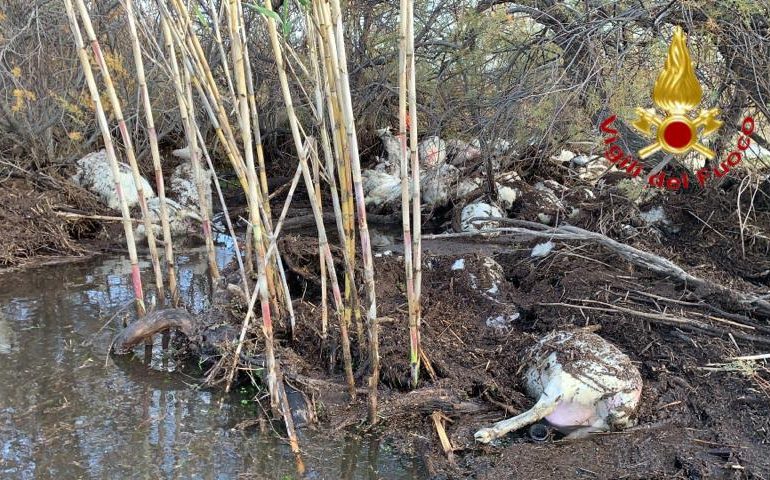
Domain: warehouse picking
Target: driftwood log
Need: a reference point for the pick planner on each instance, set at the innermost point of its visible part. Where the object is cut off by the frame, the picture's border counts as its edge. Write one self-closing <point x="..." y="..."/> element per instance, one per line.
<point x="149" y="325"/>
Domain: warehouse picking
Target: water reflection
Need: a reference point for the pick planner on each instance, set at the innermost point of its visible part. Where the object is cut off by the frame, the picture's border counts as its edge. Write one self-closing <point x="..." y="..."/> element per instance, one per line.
<point x="65" y="413"/>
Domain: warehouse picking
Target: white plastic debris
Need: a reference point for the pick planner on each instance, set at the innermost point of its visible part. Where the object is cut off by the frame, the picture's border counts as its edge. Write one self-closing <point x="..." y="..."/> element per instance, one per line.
<point x="460" y="153"/>
<point x="182" y="220"/>
<point x="563" y="156"/>
<point x="542" y="249"/>
<point x="95" y="175"/>
<point x="436" y="185"/>
<point x="582" y="384"/>
<point x="392" y="162"/>
<point x="432" y="152"/>
<point x="497" y="146"/>
<point x="184" y="153"/>
<point x="466" y="186"/>
<point x="656" y="217"/>
<point x="502" y="322"/>
<point x="459" y="264"/>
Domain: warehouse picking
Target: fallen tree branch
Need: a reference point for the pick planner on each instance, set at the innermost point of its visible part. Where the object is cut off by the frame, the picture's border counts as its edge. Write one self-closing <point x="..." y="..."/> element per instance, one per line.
<point x="666" y="319"/>
<point x="528" y="230"/>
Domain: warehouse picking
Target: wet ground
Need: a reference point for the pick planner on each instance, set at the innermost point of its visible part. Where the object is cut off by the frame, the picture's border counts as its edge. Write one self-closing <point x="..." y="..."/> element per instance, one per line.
<point x="69" y="411"/>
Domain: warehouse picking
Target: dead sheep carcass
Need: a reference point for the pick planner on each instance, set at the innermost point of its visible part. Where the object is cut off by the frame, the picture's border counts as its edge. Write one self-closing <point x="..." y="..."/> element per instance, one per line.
<point x="582" y="384"/>
<point x="95" y="175"/>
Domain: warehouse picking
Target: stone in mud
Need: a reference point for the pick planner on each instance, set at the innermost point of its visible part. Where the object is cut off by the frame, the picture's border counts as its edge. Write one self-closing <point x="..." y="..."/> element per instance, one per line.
<point x="184" y="189"/>
<point x="95" y="175"/>
<point x="483" y="210"/>
<point x="582" y="384"/>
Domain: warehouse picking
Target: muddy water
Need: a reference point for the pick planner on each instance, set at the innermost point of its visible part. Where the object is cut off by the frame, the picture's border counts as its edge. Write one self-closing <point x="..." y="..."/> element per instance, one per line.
<point x="69" y="411"/>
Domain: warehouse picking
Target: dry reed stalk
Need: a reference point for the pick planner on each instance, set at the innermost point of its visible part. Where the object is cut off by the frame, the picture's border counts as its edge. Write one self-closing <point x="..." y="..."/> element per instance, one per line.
<point x="302" y="153"/>
<point x="416" y="207"/>
<point x="254" y="217"/>
<point x="110" y="148"/>
<point x="225" y="211"/>
<point x="257" y="135"/>
<point x="197" y="172"/>
<point x="346" y="222"/>
<point x="127" y="141"/>
<point x="366" y="249"/>
<point x="196" y="65"/>
<point x="156" y="162"/>
<point x="220" y="46"/>
<point x="403" y="81"/>
<point x="321" y="258"/>
<point x="182" y="89"/>
<point x="321" y="125"/>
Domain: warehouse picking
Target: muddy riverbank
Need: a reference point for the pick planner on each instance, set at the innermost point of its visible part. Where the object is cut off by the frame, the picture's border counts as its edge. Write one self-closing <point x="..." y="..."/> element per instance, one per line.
<point x="67" y="410"/>
<point x="702" y="414"/>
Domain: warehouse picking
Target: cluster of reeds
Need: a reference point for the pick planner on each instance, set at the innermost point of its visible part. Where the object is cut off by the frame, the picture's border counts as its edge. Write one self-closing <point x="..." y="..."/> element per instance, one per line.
<point x="328" y="164"/>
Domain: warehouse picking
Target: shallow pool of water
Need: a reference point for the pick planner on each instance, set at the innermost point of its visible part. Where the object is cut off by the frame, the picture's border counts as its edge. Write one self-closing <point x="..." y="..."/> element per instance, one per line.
<point x="67" y="410"/>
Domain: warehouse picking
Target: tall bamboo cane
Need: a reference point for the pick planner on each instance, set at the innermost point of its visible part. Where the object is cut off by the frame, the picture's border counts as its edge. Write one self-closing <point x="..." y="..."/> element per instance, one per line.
<point x="254" y="201"/>
<point x="416" y="207"/>
<point x="197" y="172"/>
<point x="156" y="162"/>
<point x="366" y="249"/>
<point x="223" y="56"/>
<point x="110" y="148"/>
<point x="403" y="80"/>
<point x="346" y="222"/>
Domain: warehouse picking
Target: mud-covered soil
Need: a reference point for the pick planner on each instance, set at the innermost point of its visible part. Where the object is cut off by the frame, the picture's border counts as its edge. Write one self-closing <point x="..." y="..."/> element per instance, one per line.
<point x="701" y="416"/>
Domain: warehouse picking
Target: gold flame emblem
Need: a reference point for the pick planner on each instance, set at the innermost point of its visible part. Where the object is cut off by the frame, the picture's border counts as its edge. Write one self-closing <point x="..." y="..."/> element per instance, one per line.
<point x="677" y="92"/>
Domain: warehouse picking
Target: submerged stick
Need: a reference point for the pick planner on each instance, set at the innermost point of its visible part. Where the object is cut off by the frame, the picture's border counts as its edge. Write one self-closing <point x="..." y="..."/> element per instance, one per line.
<point x="154" y="322"/>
